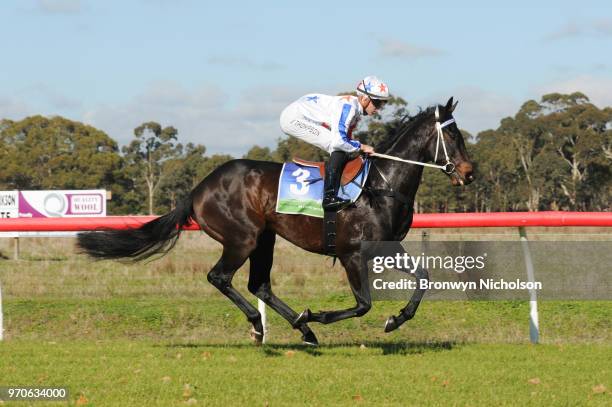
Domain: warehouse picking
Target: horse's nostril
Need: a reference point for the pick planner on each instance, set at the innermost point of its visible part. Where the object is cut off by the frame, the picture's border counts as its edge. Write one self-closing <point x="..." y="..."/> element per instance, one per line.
<point x="466" y="170"/>
<point x="468" y="176"/>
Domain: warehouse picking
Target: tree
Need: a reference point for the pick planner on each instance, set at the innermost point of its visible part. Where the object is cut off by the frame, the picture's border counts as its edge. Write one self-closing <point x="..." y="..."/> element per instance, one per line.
<point x="182" y="175"/>
<point x="577" y="132"/>
<point x="375" y="129"/>
<point x="45" y="153"/>
<point x="211" y="163"/>
<point x="560" y="146"/>
<point x="494" y="166"/>
<point x="551" y="155"/>
<point x="259" y="153"/>
<point x="146" y="154"/>
<point x="291" y="147"/>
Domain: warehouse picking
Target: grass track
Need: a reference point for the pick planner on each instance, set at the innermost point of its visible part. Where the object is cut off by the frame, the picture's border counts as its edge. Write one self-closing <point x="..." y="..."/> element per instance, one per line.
<point x="383" y="373"/>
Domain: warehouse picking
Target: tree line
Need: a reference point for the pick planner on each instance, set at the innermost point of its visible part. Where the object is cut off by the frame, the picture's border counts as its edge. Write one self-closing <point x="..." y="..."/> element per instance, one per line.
<point x="554" y="154"/>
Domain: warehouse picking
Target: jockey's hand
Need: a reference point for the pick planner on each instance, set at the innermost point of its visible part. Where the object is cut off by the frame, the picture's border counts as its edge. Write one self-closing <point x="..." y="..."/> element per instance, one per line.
<point x="367" y="149"/>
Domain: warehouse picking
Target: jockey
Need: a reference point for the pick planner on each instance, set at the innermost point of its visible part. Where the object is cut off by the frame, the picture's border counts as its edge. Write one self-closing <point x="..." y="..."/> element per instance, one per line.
<point x="328" y="122"/>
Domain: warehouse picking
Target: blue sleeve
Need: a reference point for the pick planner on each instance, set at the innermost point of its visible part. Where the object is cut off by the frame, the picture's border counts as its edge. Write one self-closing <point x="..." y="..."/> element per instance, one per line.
<point x="343" y="142"/>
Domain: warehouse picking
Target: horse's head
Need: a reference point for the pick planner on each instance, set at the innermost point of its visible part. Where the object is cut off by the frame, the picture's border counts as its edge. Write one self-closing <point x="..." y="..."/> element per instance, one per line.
<point x="446" y="146"/>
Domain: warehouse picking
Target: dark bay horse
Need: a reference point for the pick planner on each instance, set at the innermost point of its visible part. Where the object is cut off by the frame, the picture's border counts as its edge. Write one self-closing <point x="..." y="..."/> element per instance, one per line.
<point x="236" y="204"/>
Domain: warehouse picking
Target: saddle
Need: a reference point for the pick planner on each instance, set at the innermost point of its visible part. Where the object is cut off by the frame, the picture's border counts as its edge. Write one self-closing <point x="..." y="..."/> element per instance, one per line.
<point x="351" y="168"/>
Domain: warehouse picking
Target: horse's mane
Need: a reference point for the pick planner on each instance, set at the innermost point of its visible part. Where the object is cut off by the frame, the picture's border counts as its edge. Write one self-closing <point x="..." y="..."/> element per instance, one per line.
<point x="403" y="126"/>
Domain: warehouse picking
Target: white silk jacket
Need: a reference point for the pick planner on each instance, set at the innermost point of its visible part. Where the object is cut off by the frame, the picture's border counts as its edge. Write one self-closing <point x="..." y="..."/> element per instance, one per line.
<point x="338" y="114"/>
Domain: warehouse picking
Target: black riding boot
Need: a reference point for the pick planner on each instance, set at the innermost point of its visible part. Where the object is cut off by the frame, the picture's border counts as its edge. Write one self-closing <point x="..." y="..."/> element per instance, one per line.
<point x="333" y="175"/>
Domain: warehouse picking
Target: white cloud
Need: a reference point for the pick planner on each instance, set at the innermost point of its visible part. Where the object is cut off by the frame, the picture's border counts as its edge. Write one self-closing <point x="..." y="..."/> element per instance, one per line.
<point x="203" y="115"/>
<point x="14" y="109"/>
<point x="603" y="27"/>
<point x="259" y="103"/>
<point x="574" y="29"/>
<point x="401" y="49"/>
<point x="569" y="30"/>
<point x="51" y="97"/>
<point x="170" y="95"/>
<point x="59" y="6"/>
<point x="597" y="88"/>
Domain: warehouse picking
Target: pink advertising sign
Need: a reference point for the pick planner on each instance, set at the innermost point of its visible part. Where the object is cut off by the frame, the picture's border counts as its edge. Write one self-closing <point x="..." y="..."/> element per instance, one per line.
<point x="48" y="204"/>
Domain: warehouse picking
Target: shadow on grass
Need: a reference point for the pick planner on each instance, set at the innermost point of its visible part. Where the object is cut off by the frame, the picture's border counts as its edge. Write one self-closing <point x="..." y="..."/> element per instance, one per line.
<point x="39" y="258"/>
<point x="410" y="348"/>
<point x="387" y="348"/>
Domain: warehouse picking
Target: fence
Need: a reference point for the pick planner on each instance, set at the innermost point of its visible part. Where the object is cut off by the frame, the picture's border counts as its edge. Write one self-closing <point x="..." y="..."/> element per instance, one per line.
<point x="45" y="227"/>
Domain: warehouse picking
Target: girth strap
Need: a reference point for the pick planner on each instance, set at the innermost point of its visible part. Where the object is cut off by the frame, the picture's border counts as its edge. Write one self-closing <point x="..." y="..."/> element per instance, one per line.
<point x="329" y="232"/>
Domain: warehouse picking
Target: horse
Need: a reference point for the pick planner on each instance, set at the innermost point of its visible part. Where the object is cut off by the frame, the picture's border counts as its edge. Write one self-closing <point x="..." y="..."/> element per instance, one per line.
<point x="235" y="205"/>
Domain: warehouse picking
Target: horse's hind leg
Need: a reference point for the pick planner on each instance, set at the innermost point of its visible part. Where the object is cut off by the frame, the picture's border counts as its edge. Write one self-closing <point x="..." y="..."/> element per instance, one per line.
<point x="259" y="284"/>
<point x="221" y="277"/>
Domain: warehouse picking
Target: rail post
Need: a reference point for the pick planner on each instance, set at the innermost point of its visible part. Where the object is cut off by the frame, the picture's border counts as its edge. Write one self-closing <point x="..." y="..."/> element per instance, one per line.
<point x="534" y="328"/>
<point x="1" y="314"/>
<point x="261" y="306"/>
<point x="16" y="248"/>
<point x="424" y="239"/>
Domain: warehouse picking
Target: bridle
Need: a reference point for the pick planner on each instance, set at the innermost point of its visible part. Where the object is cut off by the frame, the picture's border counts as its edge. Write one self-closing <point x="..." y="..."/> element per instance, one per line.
<point x="448" y="167"/>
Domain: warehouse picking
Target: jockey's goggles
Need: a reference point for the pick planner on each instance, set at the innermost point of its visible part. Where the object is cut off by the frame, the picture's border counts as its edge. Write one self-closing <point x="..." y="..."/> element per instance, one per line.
<point x="378" y="103"/>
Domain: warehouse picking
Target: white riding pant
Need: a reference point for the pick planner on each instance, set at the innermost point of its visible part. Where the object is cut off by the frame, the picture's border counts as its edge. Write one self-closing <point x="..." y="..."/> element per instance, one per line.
<point x="293" y="123"/>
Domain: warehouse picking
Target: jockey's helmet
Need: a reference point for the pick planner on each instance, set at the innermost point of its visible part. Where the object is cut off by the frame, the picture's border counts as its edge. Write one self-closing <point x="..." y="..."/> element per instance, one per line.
<point x="373" y="87"/>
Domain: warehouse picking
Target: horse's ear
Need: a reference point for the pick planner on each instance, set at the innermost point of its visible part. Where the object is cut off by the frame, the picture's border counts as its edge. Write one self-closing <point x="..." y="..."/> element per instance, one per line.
<point x="449" y="105"/>
<point x="454" y="106"/>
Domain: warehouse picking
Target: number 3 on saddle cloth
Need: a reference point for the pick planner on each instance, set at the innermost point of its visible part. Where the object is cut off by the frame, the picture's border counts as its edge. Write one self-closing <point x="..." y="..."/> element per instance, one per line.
<point x="300" y="186"/>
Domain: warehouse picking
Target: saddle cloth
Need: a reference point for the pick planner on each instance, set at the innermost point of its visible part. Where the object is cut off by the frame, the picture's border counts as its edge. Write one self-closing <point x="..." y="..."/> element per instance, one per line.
<point x="300" y="186"/>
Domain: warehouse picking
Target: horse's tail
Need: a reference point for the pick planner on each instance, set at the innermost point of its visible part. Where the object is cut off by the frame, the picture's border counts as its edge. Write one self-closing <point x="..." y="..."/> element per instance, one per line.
<point x="157" y="236"/>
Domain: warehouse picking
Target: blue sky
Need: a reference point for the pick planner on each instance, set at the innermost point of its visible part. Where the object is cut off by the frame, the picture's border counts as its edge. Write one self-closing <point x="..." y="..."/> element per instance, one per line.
<point x="221" y="74"/>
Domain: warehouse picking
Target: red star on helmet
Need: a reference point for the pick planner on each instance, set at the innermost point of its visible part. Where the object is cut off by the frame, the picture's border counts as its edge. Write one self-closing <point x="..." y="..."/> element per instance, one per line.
<point x="382" y="87"/>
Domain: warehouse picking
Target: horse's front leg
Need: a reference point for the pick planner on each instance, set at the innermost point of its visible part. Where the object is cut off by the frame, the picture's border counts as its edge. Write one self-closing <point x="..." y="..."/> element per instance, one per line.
<point x="410" y="309"/>
<point x="357" y="273"/>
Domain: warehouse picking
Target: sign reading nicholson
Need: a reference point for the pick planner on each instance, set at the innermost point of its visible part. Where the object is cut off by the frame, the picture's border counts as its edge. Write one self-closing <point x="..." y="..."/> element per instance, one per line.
<point x="9" y="207"/>
<point x="49" y="204"/>
<point x="489" y="270"/>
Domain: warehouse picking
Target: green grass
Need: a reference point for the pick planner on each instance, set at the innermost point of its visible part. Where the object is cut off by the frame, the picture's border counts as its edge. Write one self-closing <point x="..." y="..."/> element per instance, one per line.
<point x="139" y="334"/>
<point x="217" y="321"/>
<point x="381" y="373"/>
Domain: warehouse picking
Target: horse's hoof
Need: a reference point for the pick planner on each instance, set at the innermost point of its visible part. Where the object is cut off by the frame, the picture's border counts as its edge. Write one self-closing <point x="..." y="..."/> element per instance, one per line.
<point x="391" y="324"/>
<point x="310" y="339"/>
<point x="303" y="318"/>
<point x="257" y="337"/>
